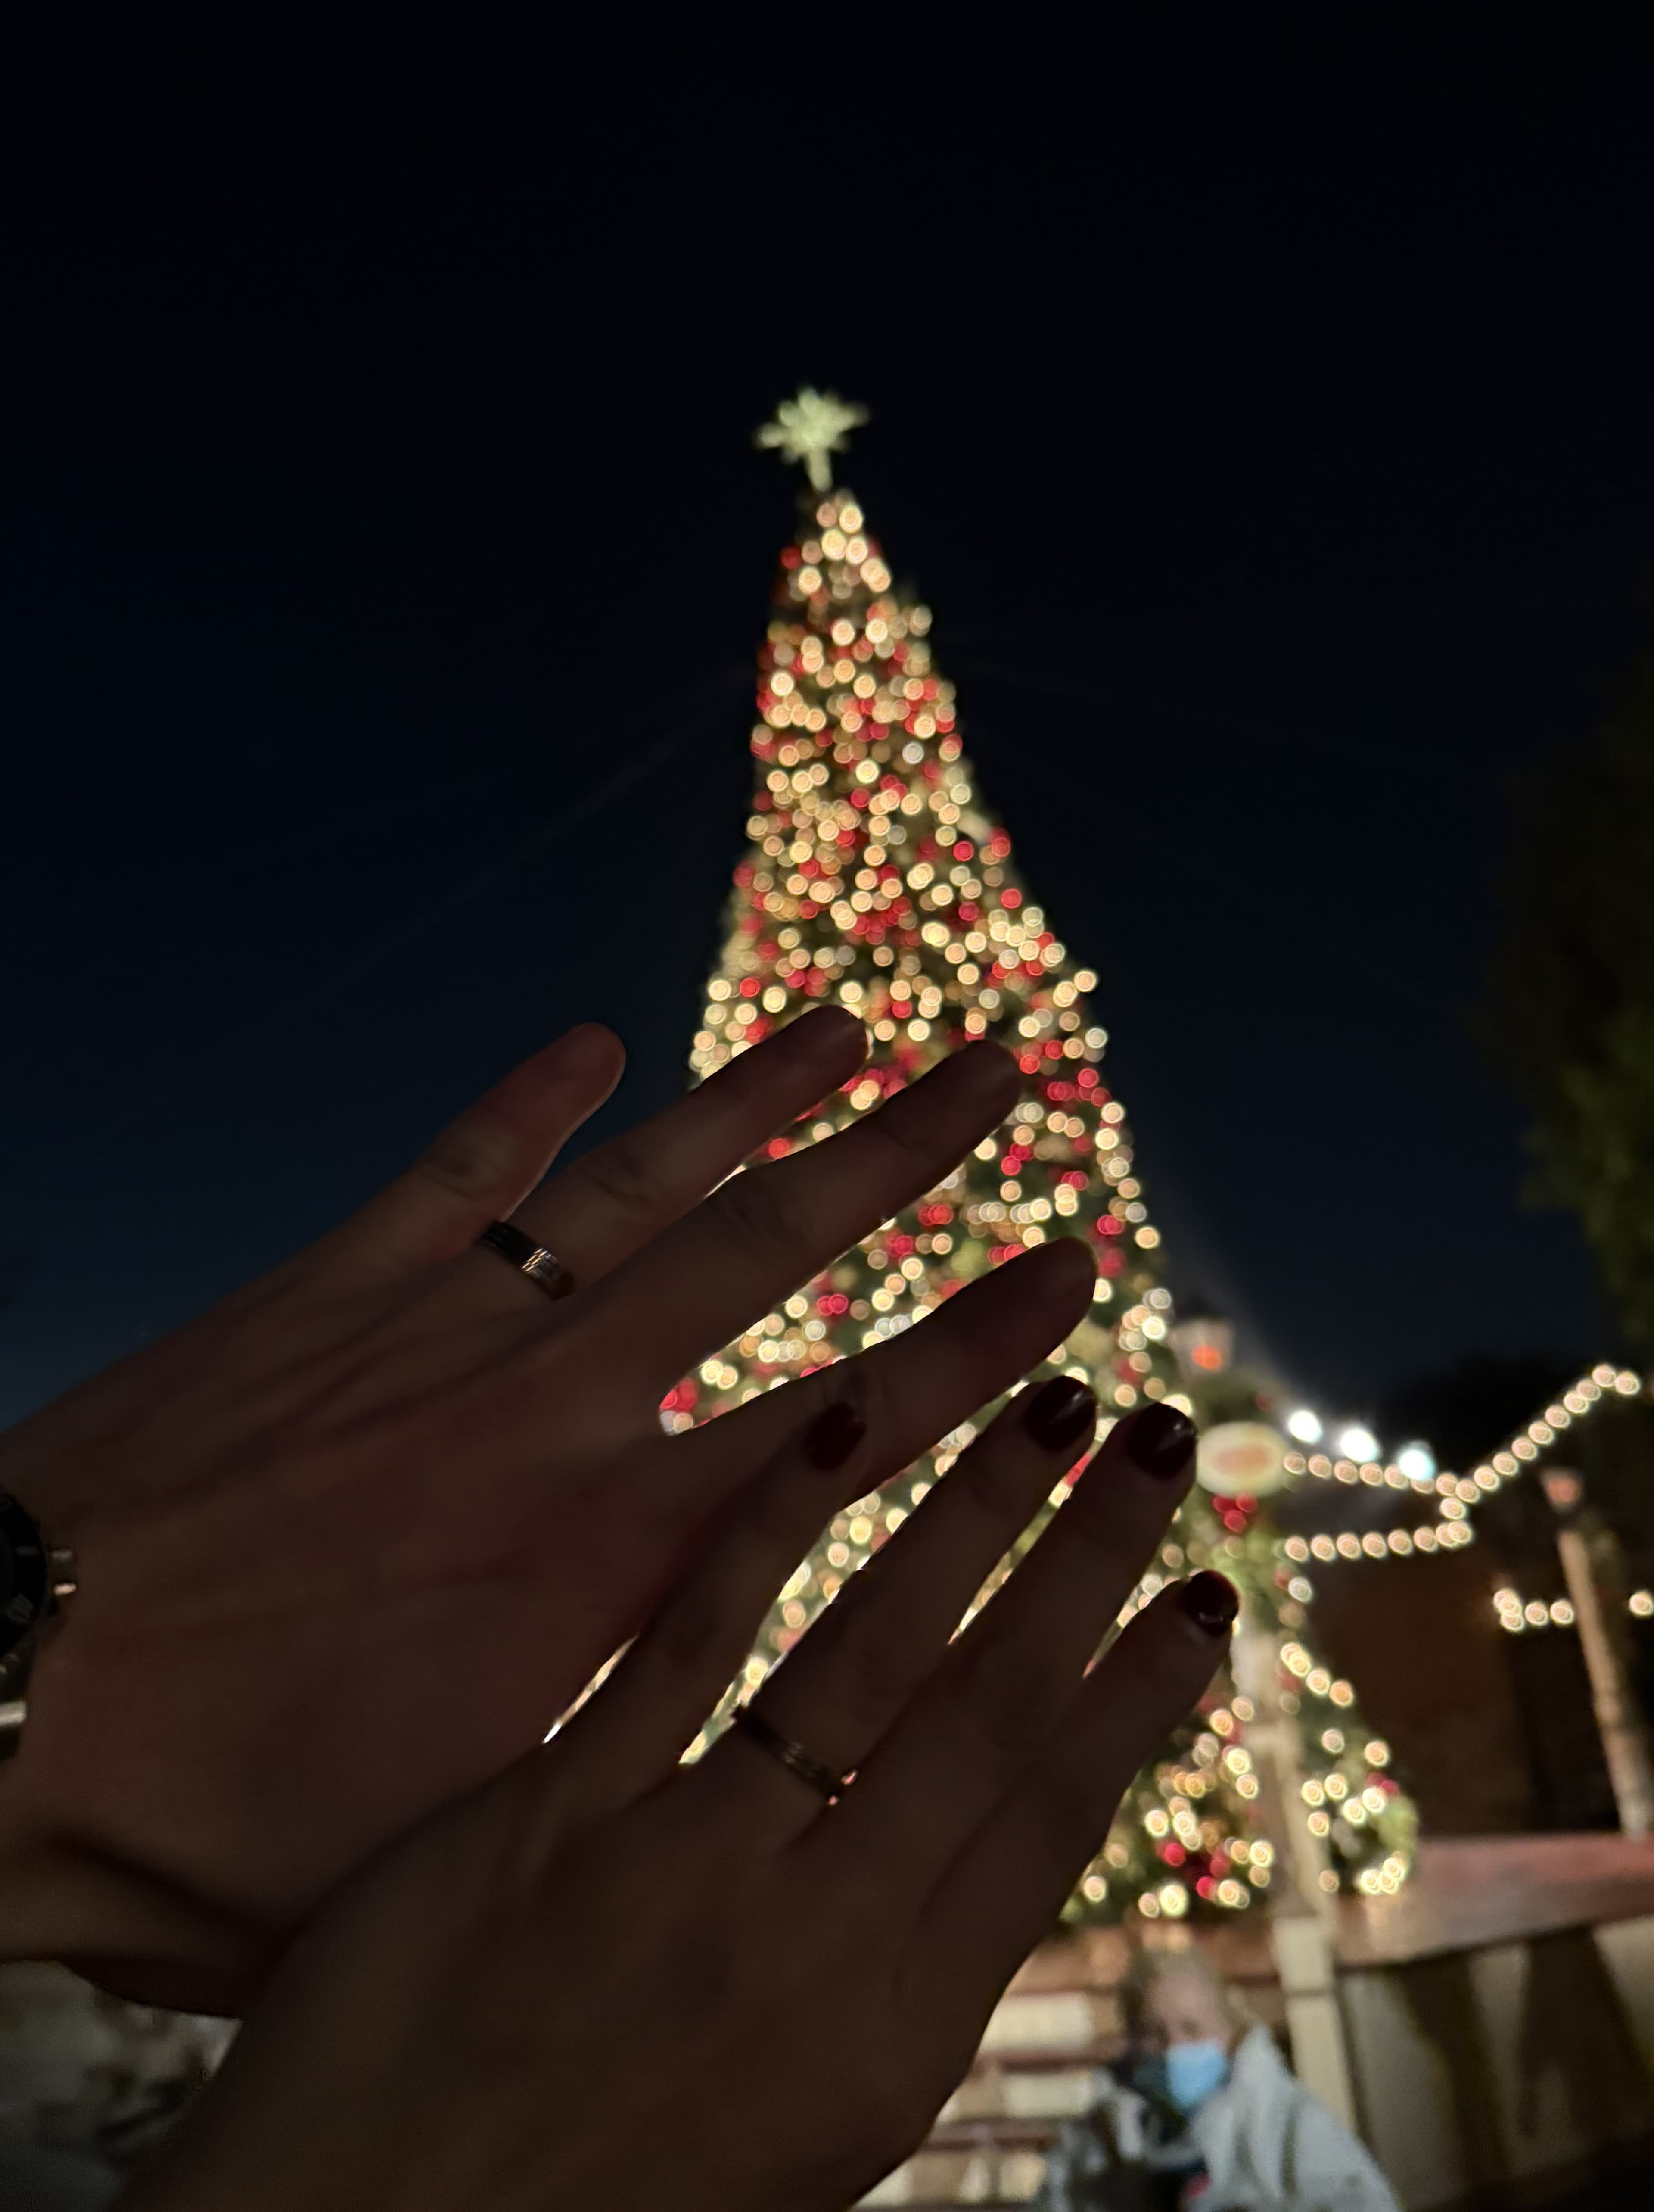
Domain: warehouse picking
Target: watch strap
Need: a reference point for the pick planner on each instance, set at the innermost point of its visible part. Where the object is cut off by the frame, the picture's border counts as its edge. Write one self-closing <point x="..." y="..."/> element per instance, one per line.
<point x="15" y="1671"/>
<point x="18" y="1664"/>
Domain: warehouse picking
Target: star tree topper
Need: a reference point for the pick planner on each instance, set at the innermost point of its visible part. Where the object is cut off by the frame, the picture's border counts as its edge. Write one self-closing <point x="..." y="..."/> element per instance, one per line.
<point x="810" y="427"/>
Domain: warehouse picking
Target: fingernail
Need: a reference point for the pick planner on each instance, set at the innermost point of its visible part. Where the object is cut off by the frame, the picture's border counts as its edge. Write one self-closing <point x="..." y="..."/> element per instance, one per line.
<point x="1211" y="1601"/>
<point x="833" y="1435"/>
<point x="1161" y="1440"/>
<point x="1060" y="1413"/>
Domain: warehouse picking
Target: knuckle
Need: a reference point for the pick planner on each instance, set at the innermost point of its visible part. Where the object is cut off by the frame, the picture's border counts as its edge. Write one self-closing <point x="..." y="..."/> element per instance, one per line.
<point x="771" y="1514"/>
<point x="1000" y="1725"/>
<point x="871" y="1386"/>
<point x="696" y="1624"/>
<point x="779" y="1514"/>
<point x="983" y="1483"/>
<point x="469" y="1158"/>
<point x="875" y="1667"/>
<point x="1090" y="1521"/>
<point x="619" y="1175"/>
<point x="898" y="1134"/>
<point x="760" y="1213"/>
<point x="998" y="1697"/>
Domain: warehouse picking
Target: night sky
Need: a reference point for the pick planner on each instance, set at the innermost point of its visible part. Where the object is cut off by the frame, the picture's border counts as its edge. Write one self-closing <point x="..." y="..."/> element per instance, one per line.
<point x="383" y="579"/>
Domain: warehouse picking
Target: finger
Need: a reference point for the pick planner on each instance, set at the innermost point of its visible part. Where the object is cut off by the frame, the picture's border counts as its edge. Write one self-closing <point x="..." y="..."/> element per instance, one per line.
<point x="909" y="1391"/>
<point x="483" y="1165"/>
<point x="764" y="1231"/>
<point x="1007" y="1683"/>
<point x="842" y="1685"/>
<point x="620" y="1194"/>
<point x="1006" y="1887"/>
<point x="633" y="1732"/>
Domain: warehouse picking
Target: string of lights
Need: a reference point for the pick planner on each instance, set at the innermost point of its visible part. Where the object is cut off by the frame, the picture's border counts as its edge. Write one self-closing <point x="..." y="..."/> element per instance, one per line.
<point x="1515" y="1613"/>
<point x="1454" y="1496"/>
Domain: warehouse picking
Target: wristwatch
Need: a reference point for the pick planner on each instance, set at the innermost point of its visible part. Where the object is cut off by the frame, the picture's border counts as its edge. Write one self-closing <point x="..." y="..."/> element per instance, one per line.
<point x="34" y="1580"/>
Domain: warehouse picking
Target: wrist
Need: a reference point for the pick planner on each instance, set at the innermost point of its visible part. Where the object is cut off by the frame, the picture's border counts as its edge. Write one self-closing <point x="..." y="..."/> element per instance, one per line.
<point x="75" y="1887"/>
<point x="52" y="1898"/>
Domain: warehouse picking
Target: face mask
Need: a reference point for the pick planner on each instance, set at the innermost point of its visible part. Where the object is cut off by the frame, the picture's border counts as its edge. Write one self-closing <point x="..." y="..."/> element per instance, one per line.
<point x="1193" y="2070"/>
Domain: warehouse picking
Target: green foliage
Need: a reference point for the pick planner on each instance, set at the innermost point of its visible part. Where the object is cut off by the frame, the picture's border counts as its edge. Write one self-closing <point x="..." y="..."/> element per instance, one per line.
<point x="1570" y="1011"/>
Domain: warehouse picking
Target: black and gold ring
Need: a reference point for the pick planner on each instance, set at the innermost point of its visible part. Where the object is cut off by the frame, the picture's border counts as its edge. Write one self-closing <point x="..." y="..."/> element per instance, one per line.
<point x="827" y="1781"/>
<point x="529" y="1258"/>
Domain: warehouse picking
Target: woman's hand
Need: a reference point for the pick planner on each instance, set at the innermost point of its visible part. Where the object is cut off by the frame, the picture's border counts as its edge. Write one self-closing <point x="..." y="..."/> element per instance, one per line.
<point x="613" y="1983"/>
<point x="350" y="1543"/>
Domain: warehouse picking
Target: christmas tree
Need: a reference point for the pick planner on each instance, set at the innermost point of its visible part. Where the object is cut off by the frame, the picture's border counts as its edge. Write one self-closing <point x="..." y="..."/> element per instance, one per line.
<point x="875" y="876"/>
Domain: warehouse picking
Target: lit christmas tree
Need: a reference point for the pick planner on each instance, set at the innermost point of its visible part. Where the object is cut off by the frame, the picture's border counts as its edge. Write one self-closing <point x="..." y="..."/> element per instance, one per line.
<point x="876" y="877"/>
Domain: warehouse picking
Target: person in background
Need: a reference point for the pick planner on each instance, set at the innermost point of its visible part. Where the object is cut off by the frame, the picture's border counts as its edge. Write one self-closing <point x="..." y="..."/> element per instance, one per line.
<point x="89" y="2084"/>
<point x="1204" y="2115"/>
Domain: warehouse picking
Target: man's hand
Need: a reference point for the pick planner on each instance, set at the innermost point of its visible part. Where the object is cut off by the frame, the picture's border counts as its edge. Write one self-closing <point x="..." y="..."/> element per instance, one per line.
<point x="350" y="1542"/>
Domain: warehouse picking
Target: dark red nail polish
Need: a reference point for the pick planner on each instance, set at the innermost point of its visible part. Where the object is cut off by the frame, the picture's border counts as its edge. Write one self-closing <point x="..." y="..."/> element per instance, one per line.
<point x="1211" y="1601"/>
<point x="1161" y="1440"/>
<point x="1060" y="1413"/>
<point x="833" y="1435"/>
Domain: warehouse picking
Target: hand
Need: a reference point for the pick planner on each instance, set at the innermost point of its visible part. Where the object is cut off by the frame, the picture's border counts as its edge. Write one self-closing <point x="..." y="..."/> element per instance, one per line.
<point x="351" y="1542"/>
<point x="610" y="1982"/>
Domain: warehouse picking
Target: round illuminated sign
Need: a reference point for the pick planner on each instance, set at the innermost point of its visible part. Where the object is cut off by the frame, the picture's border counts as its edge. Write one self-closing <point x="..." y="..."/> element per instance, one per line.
<point x="1241" y="1459"/>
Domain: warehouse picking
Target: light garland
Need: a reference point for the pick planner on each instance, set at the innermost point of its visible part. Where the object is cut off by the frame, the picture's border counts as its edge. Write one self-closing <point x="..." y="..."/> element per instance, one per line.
<point x="1516" y="1614"/>
<point x="1457" y="1494"/>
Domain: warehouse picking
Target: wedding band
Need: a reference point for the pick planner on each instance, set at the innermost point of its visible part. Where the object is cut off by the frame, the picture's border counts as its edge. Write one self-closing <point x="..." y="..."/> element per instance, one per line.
<point x="529" y="1258"/>
<point x="826" y="1781"/>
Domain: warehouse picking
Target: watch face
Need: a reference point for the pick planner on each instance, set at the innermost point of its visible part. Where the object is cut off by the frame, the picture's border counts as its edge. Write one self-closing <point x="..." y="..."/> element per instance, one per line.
<point x="23" y="1574"/>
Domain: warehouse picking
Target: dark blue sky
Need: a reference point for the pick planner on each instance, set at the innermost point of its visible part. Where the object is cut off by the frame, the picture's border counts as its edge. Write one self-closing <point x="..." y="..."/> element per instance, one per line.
<point x="381" y="592"/>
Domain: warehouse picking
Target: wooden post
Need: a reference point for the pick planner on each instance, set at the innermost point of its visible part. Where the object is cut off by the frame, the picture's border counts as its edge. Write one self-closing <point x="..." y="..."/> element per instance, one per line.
<point x="1301" y="1922"/>
<point x="1588" y="1552"/>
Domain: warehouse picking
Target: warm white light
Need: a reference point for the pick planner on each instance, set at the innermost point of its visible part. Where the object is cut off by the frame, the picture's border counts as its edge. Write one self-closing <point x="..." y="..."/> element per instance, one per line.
<point x="1357" y="1442"/>
<point x="1304" y="1426"/>
<point x="1416" y="1462"/>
